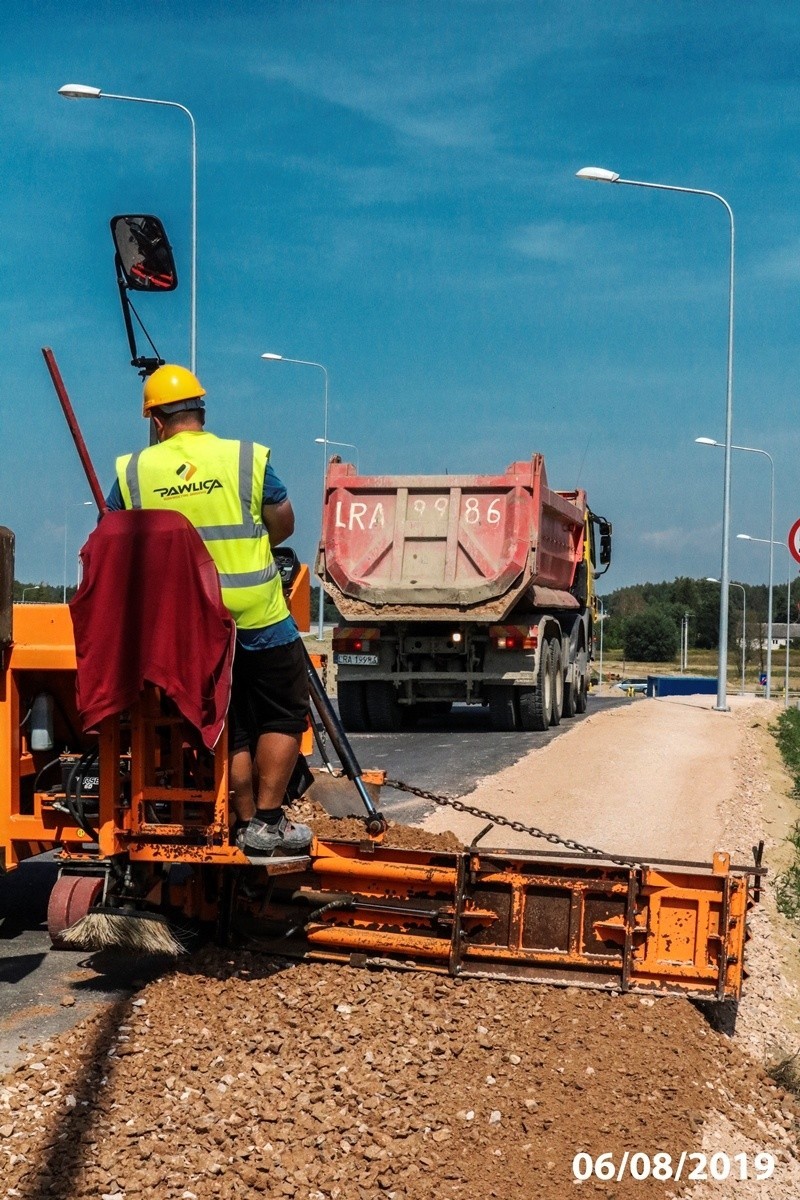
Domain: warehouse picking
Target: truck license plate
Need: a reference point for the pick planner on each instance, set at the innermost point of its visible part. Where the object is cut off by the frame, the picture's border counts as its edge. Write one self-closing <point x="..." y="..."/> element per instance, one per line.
<point x="356" y="660"/>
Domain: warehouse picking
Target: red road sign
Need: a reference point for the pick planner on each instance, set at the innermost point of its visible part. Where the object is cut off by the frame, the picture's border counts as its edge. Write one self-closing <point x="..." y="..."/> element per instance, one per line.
<point x="794" y="541"/>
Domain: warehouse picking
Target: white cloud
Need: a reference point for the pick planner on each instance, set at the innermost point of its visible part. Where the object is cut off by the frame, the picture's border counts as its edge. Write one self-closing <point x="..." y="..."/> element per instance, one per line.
<point x="782" y="263"/>
<point x="443" y="109"/>
<point x="549" y="241"/>
<point x="679" y="538"/>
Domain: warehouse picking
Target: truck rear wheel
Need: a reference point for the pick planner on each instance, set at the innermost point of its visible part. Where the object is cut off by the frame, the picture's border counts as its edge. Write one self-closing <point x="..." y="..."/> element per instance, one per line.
<point x="558" y="682"/>
<point x="580" y="698"/>
<point x="536" y="704"/>
<point x="384" y="713"/>
<point x="503" y="713"/>
<point x="353" y="706"/>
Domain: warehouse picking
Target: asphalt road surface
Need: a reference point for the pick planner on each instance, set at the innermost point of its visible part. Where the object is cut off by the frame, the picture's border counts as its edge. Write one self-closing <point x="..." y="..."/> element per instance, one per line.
<point x="43" y="991"/>
<point x="450" y="755"/>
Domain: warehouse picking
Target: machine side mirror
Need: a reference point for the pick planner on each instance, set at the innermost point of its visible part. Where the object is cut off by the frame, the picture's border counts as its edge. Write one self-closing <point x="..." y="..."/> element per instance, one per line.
<point x="603" y="528"/>
<point x="144" y="254"/>
<point x="605" y="543"/>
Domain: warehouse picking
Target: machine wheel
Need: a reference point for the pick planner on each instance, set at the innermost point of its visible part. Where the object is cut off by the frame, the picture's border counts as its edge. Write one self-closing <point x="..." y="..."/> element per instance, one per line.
<point x="384" y="713"/>
<point x="536" y="704"/>
<point x="71" y="898"/>
<point x="353" y="706"/>
<point x="440" y="708"/>
<point x="503" y="713"/>
<point x="558" y="682"/>
<point x="581" y="695"/>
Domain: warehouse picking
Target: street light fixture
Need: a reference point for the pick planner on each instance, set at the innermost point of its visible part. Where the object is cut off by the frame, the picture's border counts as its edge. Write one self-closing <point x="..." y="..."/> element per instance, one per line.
<point x="704" y="441"/>
<point x="350" y="446"/>
<point x="711" y="579"/>
<point x="81" y="91"/>
<point x="602" y="175"/>
<point x="745" y="537"/>
<point x="305" y="362"/>
<point x="76" y="504"/>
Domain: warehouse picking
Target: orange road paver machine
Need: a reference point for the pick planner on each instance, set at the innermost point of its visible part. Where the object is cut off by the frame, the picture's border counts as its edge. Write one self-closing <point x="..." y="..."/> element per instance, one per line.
<point x="138" y="814"/>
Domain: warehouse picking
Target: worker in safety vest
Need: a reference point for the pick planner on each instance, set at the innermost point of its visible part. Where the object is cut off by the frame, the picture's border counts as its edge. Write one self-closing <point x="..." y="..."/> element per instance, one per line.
<point x="240" y="508"/>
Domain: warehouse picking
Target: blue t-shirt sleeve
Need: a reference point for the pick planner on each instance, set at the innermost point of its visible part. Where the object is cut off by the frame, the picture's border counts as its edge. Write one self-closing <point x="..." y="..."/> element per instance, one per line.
<point x="274" y="491"/>
<point x="114" y="501"/>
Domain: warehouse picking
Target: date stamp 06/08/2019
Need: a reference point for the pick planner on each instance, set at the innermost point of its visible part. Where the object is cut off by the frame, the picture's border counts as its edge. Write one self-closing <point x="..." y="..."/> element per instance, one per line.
<point x="689" y="1165"/>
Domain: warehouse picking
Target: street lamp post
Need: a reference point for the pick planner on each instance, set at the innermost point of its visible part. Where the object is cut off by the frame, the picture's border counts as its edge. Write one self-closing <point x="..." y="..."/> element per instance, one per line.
<point x="35" y="588"/>
<point x="745" y="537"/>
<point x="703" y="441"/>
<point x="76" y="504"/>
<point x="305" y="362"/>
<point x="685" y="642"/>
<point x="80" y="91"/>
<point x="788" y="616"/>
<point x="602" y="175"/>
<point x="711" y="579"/>
<point x="331" y="442"/>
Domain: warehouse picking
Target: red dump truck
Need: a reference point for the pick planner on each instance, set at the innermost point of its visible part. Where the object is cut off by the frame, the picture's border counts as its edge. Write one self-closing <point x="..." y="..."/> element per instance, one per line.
<point x="474" y="589"/>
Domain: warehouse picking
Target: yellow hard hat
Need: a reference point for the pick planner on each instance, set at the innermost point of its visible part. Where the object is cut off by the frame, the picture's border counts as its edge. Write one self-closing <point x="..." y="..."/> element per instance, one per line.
<point x="169" y="385"/>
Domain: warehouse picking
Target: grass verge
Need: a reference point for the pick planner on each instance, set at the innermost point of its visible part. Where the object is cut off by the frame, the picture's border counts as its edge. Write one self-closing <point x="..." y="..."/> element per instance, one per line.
<point x="786" y="731"/>
<point x="785" y="1069"/>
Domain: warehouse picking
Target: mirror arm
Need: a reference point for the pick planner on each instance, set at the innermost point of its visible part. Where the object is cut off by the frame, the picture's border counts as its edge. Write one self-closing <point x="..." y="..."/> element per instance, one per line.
<point x="145" y="365"/>
<point x="126" y="308"/>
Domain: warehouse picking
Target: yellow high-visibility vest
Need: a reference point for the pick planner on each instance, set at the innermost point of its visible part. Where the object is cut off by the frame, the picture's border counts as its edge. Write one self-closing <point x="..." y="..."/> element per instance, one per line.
<point x="217" y="484"/>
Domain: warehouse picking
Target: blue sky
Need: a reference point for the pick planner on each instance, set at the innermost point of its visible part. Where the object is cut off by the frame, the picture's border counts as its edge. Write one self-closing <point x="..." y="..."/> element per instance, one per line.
<point x="387" y="187"/>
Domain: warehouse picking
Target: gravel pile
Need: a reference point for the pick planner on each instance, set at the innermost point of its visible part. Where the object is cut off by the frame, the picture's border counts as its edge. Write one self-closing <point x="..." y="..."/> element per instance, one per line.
<point x="400" y="837"/>
<point x="239" y="1077"/>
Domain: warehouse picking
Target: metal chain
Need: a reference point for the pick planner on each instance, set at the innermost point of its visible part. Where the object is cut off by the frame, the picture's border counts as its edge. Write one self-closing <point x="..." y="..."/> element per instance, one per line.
<point x="496" y="819"/>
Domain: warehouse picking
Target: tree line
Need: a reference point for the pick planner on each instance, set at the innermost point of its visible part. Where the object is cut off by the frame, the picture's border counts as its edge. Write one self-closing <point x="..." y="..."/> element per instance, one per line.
<point x="49" y="593"/>
<point x="41" y="593"/>
<point x="644" y="620"/>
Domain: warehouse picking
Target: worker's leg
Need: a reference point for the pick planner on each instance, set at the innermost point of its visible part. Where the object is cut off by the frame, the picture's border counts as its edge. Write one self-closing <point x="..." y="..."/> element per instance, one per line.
<point x="241" y="781"/>
<point x="276" y="756"/>
<point x="277" y="705"/>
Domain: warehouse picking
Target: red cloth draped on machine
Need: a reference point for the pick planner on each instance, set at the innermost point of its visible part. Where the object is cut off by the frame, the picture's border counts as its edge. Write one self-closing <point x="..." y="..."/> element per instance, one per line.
<point x="149" y="610"/>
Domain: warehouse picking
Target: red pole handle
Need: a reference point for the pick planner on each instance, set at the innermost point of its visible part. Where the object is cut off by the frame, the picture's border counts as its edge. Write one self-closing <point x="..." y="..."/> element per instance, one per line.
<point x="74" y="428"/>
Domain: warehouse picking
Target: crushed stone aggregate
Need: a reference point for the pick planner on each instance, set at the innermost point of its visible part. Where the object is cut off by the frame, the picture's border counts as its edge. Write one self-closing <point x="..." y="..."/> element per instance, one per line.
<point x="239" y="1076"/>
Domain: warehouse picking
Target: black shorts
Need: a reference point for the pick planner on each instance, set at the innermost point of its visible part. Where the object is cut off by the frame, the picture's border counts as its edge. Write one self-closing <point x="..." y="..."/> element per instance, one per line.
<point x="269" y="694"/>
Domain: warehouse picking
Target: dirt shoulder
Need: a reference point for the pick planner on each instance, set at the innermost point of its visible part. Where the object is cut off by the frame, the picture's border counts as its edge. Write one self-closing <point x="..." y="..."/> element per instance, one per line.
<point x="651" y="778"/>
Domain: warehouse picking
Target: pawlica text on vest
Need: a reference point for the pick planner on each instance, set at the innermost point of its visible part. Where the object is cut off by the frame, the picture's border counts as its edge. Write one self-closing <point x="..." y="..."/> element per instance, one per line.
<point x="217" y="483"/>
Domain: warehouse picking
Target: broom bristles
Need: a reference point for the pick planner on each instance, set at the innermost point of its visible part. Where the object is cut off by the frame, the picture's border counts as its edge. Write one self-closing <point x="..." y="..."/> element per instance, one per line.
<point x="135" y="932"/>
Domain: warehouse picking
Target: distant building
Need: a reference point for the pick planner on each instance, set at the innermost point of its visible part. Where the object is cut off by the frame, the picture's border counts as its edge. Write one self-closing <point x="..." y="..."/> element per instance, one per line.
<point x="778" y="635"/>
